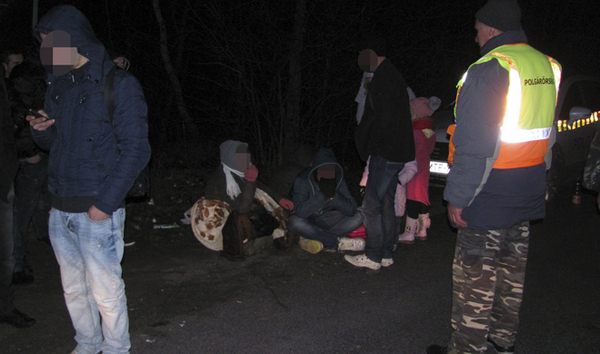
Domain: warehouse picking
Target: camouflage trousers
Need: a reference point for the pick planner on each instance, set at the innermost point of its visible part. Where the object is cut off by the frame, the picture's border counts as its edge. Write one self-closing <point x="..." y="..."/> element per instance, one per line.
<point x="488" y="275"/>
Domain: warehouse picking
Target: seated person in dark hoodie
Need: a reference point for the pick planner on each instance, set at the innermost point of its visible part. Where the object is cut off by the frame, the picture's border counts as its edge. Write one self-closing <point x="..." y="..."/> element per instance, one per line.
<point x="235" y="183"/>
<point x="324" y="210"/>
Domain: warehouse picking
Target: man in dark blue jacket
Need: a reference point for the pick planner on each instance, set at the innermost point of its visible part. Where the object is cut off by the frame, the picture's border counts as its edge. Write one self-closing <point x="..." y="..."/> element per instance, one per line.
<point x="324" y="210"/>
<point x="94" y="160"/>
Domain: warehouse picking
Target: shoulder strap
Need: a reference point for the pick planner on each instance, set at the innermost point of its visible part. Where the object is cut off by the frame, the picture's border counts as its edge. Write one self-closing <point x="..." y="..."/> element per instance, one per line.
<point x="109" y="96"/>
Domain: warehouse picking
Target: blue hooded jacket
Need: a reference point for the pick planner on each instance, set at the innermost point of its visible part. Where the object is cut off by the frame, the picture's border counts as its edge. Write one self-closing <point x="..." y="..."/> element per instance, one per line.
<point x="309" y="200"/>
<point x="93" y="161"/>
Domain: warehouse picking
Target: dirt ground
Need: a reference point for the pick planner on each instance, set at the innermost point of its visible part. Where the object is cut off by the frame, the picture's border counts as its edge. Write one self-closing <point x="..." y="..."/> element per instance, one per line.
<point x="185" y="298"/>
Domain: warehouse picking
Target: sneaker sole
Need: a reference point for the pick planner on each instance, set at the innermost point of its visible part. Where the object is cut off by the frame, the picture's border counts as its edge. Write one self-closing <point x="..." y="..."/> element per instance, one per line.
<point x="361" y="265"/>
<point x="407" y="242"/>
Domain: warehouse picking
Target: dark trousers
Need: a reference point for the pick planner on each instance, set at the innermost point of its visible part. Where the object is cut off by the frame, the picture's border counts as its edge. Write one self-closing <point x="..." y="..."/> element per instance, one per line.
<point x="325" y="228"/>
<point x="7" y="260"/>
<point x="379" y="209"/>
<point x="31" y="204"/>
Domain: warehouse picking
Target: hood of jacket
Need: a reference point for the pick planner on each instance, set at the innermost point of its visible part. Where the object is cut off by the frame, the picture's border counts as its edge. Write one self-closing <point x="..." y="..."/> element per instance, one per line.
<point x="67" y="18"/>
<point x="325" y="157"/>
<point x="227" y="153"/>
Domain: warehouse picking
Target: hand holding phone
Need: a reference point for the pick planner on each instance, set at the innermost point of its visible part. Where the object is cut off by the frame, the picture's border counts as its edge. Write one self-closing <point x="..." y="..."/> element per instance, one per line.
<point x="32" y="112"/>
<point x="38" y="121"/>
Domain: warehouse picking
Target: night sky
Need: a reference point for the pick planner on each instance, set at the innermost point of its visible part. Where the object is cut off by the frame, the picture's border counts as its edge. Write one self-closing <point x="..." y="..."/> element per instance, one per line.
<point x="232" y="56"/>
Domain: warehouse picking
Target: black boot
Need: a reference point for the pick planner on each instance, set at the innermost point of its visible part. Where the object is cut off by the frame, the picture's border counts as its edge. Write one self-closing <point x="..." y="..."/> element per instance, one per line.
<point x="22" y="277"/>
<point x="501" y="350"/>
<point x="18" y="319"/>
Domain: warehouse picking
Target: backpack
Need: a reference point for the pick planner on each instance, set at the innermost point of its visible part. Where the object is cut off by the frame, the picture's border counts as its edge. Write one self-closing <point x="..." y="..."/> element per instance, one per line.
<point x="141" y="186"/>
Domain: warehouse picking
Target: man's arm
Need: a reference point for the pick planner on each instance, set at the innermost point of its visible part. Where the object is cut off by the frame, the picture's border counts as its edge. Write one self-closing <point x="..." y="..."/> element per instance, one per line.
<point x="305" y="202"/>
<point x="480" y="109"/>
<point x="343" y="201"/>
<point x="130" y="126"/>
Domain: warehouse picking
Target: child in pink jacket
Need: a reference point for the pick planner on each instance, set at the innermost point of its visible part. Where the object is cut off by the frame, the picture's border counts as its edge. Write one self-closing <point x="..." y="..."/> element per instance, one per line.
<point x="417" y="189"/>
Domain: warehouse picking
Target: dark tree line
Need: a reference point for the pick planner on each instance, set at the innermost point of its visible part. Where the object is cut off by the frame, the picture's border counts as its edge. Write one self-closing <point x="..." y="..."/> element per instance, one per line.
<point x="280" y="73"/>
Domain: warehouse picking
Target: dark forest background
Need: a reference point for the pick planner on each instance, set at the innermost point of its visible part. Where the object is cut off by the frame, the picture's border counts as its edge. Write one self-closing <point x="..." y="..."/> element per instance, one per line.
<point x="280" y="73"/>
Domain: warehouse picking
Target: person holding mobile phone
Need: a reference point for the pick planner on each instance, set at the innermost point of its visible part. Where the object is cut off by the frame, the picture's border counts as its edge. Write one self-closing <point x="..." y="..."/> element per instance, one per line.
<point x="91" y="168"/>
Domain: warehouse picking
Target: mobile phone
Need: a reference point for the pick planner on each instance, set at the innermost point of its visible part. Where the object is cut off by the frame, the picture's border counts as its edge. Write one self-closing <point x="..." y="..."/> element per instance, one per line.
<point x="34" y="113"/>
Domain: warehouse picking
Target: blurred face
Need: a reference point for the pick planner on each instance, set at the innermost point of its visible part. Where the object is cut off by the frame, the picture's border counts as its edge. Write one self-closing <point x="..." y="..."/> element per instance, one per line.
<point x="57" y="55"/>
<point x="367" y="60"/>
<point x="242" y="161"/>
<point x="13" y="60"/>
<point x="326" y="171"/>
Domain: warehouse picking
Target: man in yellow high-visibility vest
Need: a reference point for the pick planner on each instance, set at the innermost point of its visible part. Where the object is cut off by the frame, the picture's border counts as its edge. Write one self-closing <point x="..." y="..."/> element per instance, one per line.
<point x="504" y="116"/>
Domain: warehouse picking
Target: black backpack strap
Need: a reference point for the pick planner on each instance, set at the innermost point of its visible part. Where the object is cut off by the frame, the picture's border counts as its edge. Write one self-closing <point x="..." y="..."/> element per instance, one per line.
<point x="109" y="96"/>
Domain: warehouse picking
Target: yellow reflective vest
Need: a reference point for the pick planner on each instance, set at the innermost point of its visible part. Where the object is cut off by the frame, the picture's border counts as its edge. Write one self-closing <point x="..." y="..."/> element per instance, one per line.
<point x="534" y="79"/>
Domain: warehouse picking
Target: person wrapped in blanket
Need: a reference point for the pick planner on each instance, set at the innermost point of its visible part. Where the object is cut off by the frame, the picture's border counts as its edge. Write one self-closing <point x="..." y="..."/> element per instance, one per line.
<point x="254" y="216"/>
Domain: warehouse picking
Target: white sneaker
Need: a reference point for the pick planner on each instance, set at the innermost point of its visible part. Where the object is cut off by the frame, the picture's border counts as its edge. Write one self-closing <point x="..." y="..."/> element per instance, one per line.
<point x="351" y="244"/>
<point x="362" y="261"/>
<point x="386" y="262"/>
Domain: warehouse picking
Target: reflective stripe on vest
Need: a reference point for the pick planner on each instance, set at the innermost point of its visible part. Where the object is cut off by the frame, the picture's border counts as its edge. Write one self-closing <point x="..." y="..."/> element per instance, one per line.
<point x="525" y="128"/>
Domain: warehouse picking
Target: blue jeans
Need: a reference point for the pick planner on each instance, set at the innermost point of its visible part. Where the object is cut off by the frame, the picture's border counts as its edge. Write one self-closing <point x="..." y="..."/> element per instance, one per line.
<point x="378" y="208"/>
<point x="325" y="228"/>
<point x="89" y="254"/>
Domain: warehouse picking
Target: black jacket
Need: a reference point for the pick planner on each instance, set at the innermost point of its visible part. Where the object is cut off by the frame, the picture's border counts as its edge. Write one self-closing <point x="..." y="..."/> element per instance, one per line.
<point x="386" y="129"/>
<point x="8" y="151"/>
<point x="27" y="90"/>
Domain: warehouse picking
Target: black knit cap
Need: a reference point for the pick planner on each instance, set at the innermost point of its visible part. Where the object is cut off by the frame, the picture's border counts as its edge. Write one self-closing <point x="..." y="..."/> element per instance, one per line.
<point x="503" y="15"/>
<point x="374" y="42"/>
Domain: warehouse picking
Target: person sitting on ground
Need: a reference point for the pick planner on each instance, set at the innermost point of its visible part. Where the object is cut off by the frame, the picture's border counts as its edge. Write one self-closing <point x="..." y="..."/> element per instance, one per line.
<point x="325" y="211"/>
<point x="235" y="183"/>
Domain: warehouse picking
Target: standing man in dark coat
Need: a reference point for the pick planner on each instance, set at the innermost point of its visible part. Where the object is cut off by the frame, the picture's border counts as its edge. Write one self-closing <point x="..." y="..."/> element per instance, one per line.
<point x="385" y="136"/>
<point x="8" y="170"/>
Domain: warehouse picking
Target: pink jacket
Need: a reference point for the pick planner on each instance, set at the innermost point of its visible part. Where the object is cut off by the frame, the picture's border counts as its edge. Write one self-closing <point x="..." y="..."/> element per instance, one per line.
<point x="418" y="187"/>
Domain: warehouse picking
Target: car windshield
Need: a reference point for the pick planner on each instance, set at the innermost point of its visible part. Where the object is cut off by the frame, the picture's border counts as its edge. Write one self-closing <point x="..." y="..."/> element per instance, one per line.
<point x="581" y="93"/>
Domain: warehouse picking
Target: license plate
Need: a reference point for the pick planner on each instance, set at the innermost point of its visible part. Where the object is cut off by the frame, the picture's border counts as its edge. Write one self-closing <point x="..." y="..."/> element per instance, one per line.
<point x="439" y="167"/>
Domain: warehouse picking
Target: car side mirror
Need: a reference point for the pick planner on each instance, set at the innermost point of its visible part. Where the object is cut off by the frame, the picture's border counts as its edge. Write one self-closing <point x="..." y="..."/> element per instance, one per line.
<point x="576" y="113"/>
